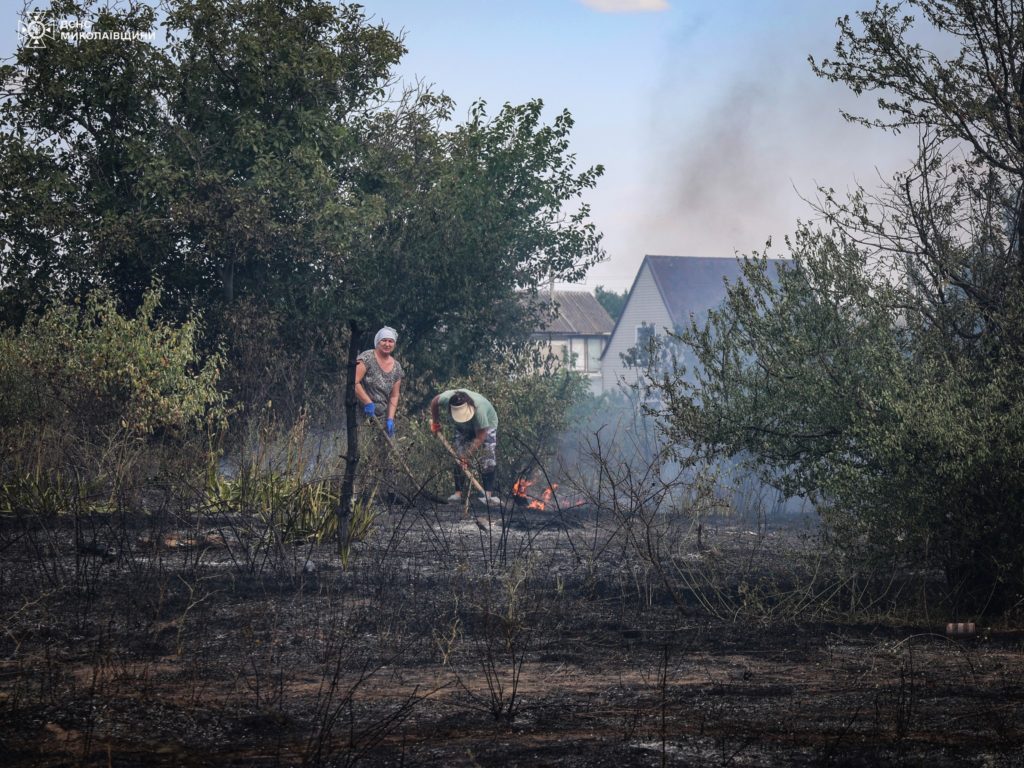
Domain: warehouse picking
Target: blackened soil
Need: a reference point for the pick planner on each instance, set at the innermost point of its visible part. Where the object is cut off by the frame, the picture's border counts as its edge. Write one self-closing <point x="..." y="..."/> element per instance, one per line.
<point x="499" y="639"/>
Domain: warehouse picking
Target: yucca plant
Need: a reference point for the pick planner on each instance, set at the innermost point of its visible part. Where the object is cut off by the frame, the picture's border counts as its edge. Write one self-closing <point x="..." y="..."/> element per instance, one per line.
<point x="36" y="494"/>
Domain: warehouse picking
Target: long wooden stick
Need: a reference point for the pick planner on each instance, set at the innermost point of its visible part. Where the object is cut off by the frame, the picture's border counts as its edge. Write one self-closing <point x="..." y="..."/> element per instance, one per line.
<point x="421" y="489"/>
<point x="472" y="478"/>
<point x="394" y="450"/>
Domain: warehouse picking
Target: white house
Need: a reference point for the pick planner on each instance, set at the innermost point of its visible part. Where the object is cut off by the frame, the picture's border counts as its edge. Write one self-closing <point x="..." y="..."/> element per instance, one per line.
<point x="666" y="293"/>
<point x="578" y="332"/>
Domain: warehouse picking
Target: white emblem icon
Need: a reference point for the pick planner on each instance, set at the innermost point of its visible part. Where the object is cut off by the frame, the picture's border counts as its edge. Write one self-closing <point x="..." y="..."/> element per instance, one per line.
<point x="34" y="28"/>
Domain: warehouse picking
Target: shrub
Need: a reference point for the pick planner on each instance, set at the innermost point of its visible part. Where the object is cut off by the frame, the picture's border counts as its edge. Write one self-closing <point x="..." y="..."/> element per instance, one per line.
<point x="88" y="389"/>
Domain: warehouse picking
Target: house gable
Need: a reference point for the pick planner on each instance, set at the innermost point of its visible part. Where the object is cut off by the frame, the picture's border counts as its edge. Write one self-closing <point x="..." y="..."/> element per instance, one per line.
<point x="667" y="292"/>
<point x="691" y="285"/>
<point x="644" y="305"/>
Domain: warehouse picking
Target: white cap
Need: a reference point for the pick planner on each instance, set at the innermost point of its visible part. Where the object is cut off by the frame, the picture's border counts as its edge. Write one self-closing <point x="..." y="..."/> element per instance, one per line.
<point x="463" y="413"/>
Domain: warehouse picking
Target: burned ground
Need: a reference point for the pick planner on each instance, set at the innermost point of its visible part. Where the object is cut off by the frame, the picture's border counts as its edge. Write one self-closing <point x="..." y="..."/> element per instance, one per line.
<point x="530" y="638"/>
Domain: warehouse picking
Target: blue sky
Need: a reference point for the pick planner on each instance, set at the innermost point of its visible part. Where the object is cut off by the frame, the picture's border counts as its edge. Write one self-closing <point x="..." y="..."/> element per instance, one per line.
<point x="704" y="113"/>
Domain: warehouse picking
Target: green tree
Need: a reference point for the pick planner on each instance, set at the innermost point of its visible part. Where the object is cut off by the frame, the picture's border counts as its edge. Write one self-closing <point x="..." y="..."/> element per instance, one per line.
<point x="264" y="103"/>
<point x="876" y="374"/>
<point x="272" y="184"/>
<point x="269" y="108"/>
<point x="81" y="124"/>
<point x="255" y="165"/>
<point x="952" y="228"/>
<point x="612" y="302"/>
<point x="469" y="221"/>
<point x="220" y="162"/>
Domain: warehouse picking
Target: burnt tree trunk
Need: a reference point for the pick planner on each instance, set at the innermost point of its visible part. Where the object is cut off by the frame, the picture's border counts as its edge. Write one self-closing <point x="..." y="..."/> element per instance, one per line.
<point x="351" y="437"/>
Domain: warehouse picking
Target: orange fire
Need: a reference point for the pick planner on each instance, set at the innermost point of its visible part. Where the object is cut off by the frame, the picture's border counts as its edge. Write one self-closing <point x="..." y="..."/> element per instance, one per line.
<point x="519" y="489"/>
<point x="548" y="493"/>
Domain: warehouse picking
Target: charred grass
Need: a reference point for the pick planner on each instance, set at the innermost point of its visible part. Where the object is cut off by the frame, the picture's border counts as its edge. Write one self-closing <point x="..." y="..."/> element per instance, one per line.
<point x="525" y="638"/>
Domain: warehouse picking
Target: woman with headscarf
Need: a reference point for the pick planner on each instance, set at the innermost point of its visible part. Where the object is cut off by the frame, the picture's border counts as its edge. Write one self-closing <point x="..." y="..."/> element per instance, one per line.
<point x="378" y="387"/>
<point x="379" y="378"/>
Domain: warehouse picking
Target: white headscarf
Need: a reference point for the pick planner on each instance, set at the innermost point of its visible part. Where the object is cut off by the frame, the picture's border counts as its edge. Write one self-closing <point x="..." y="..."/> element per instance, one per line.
<point x="386" y="332"/>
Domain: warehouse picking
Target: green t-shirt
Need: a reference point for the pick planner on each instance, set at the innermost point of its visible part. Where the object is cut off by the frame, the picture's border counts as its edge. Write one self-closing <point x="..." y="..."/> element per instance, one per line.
<point x="484" y="417"/>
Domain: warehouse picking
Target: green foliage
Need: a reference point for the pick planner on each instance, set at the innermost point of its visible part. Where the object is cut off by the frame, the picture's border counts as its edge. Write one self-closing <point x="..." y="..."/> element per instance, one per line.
<point x="470" y="221"/>
<point x="954" y="224"/>
<point x="265" y="96"/>
<point x="256" y="163"/>
<point x="612" y="302"/>
<point x="216" y="161"/>
<point x="81" y="134"/>
<point x="219" y="162"/>
<point x="973" y="96"/>
<point x="824" y="378"/>
<point x="878" y="374"/>
<point x="292" y="507"/>
<point x="36" y="494"/>
<point x="87" y="369"/>
<point x="89" y="391"/>
<point x="280" y="482"/>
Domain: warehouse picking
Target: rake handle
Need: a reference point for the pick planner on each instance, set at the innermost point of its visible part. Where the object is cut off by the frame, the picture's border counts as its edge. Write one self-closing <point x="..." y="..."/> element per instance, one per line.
<point x="394" y="448"/>
<point x="405" y="466"/>
<point x="472" y="478"/>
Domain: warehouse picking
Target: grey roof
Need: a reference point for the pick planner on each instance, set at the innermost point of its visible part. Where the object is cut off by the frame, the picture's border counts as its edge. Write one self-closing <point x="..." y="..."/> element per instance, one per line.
<point x="691" y="285"/>
<point x="687" y="284"/>
<point x="579" y="314"/>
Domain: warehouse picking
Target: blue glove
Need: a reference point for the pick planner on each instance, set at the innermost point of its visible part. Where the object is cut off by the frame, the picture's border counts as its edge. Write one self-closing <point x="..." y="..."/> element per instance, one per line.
<point x="370" y="409"/>
<point x="391" y="427"/>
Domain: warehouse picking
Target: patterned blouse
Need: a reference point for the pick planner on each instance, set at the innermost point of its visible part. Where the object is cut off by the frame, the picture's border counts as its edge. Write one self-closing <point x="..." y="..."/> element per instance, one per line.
<point x="377" y="382"/>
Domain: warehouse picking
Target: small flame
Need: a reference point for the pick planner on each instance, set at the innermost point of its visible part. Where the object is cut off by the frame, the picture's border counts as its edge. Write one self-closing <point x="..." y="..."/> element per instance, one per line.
<point x="548" y="493"/>
<point x="519" y="489"/>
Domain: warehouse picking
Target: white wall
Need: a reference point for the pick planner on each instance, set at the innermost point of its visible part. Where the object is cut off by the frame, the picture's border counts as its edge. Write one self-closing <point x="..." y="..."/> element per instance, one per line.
<point x="644" y="306"/>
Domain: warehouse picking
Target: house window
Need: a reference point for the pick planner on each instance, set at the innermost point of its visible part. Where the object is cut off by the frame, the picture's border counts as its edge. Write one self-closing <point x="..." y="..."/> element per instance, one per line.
<point x="639" y="356"/>
<point x="585" y="354"/>
<point x="580" y="353"/>
<point x="644" y="333"/>
<point x="594" y="349"/>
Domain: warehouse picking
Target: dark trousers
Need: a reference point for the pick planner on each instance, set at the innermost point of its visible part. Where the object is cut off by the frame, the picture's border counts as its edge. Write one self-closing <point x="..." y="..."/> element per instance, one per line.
<point x="487" y="479"/>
